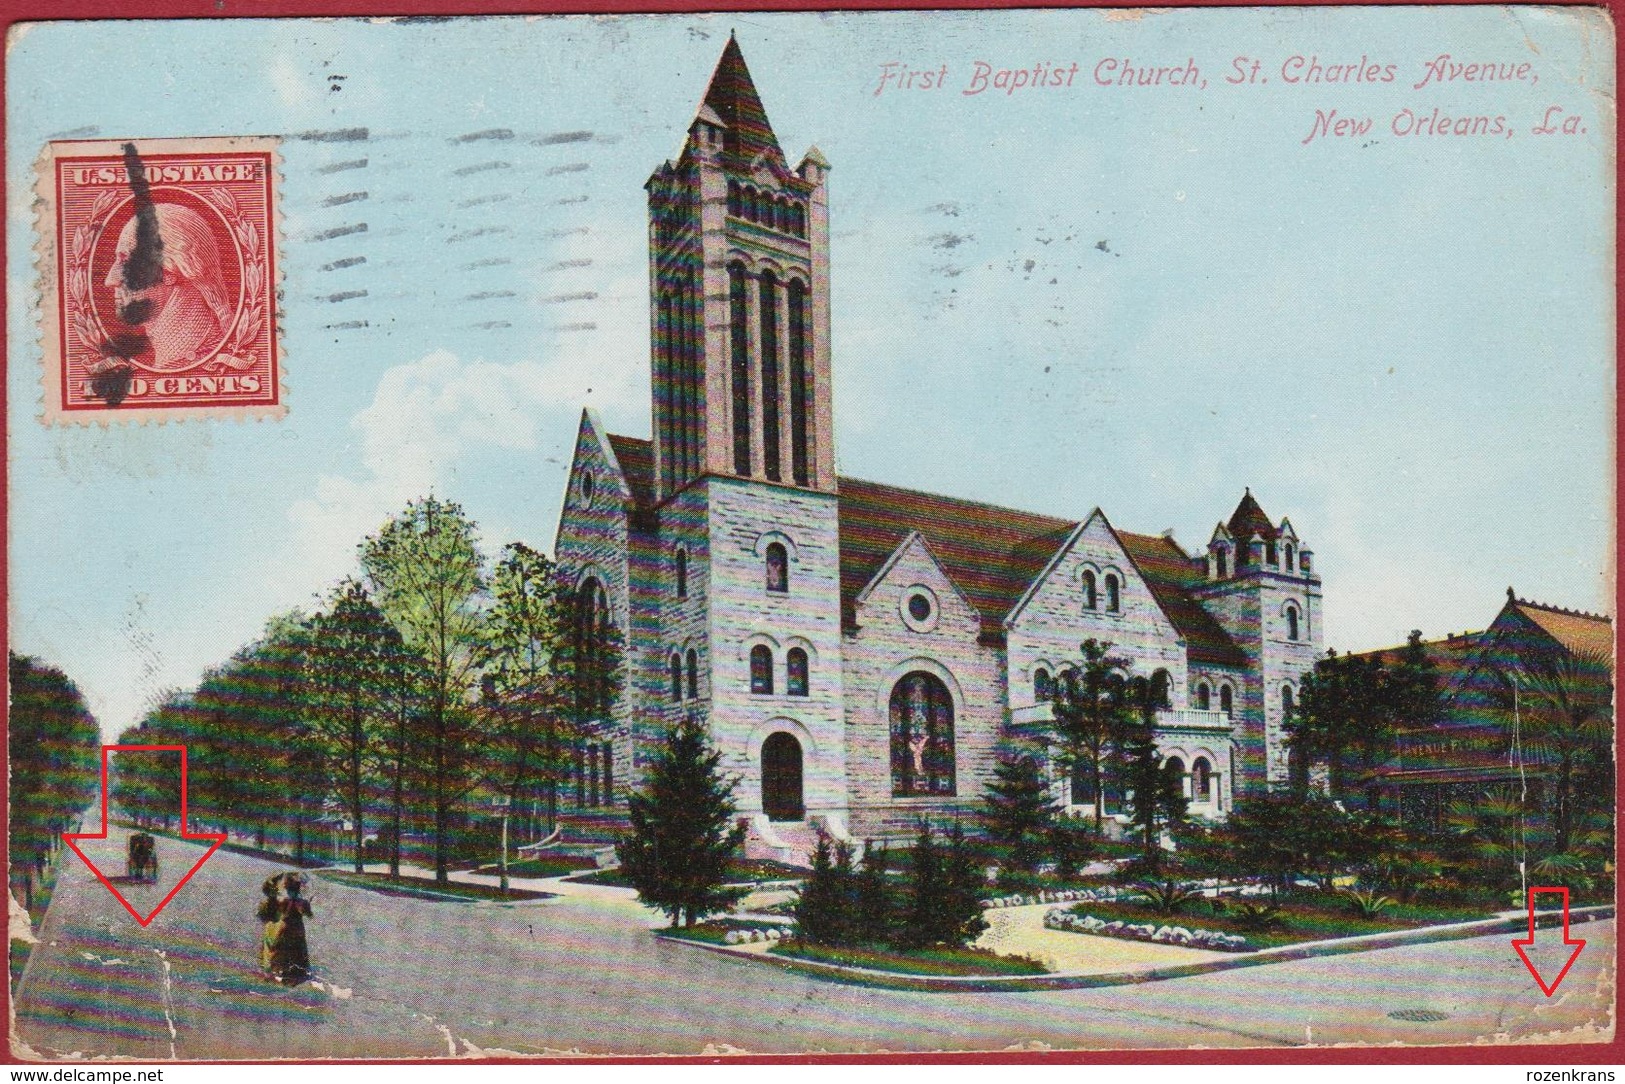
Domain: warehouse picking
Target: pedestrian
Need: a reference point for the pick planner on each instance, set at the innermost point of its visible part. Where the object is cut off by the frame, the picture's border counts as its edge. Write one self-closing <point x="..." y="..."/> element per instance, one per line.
<point x="290" y="952"/>
<point x="270" y="913"/>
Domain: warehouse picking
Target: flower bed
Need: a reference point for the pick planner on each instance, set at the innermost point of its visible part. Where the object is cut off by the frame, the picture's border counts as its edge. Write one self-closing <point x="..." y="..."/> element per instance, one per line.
<point x="727" y="931"/>
<point x="937" y="960"/>
<point x="1060" y="918"/>
<point x="1066" y="895"/>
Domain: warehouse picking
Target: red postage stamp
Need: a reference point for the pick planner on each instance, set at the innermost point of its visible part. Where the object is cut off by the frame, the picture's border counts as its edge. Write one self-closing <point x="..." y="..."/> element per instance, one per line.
<point x="158" y="271"/>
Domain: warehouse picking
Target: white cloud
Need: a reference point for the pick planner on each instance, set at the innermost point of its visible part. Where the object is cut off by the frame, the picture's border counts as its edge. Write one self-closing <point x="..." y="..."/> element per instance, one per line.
<point x="429" y="415"/>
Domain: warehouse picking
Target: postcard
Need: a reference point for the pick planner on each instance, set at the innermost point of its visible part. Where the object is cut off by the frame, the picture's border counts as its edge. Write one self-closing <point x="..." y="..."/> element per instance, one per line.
<point x="934" y="532"/>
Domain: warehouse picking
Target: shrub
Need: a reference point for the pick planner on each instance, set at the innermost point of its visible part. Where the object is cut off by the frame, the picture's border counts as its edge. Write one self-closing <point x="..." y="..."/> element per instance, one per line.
<point x="943" y="900"/>
<point x="1166" y="897"/>
<point x="1257" y="915"/>
<point x="1367" y="903"/>
<point x="1073" y="844"/>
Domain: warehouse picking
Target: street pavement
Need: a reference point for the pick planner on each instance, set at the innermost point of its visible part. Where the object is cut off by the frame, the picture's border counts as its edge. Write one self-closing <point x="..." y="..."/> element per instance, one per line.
<point x="583" y="973"/>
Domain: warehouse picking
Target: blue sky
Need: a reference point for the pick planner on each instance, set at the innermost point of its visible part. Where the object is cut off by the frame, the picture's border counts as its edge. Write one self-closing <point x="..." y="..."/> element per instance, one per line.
<point x="1141" y="298"/>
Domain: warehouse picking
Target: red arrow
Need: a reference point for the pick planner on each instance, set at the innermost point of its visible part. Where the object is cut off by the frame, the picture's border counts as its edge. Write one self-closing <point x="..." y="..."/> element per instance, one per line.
<point x="1530" y="940"/>
<point x="72" y="838"/>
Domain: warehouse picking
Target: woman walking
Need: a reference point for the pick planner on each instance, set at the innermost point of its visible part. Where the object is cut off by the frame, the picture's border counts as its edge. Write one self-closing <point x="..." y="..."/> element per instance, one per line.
<point x="286" y="952"/>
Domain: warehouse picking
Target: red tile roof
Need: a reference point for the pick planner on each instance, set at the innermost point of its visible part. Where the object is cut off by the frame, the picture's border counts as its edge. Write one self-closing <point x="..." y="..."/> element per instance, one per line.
<point x="1172" y="574"/>
<point x="1578" y="632"/>
<point x="992" y="554"/>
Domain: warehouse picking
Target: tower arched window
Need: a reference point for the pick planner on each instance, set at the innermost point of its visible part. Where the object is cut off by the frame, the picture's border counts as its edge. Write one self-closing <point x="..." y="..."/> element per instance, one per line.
<point x="1091" y="598"/>
<point x="922" y="736"/>
<point x="1114" y="599"/>
<point x="768" y="339"/>
<point x="1221" y="557"/>
<point x="1291" y="622"/>
<point x="739" y="367"/>
<point x="734" y="205"/>
<point x="693" y="673"/>
<point x="1288" y="701"/>
<point x="1289" y="556"/>
<point x="676" y="677"/>
<point x="682" y="573"/>
<point x="1227" y="701"/>
<point x="800" y="379"/>
<point x="778" y="568"/>
<point x="1204" y="697"/>
<point x="1043" y="686"/>
<point x="761" y="670"/>
<point x="795" y="672"/>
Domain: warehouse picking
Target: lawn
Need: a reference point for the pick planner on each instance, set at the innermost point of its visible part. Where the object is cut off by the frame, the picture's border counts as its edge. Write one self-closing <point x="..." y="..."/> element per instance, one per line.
<point x="741" y="871"/>
<point x="1305" y="917"/>
<point x="940" y="960"/>
<point x="544" y="865"/>
<point x="424" y="888"/>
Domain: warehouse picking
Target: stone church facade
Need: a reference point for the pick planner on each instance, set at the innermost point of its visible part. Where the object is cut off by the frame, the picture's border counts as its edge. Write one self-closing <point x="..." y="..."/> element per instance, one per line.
<point x="859" y="652"/>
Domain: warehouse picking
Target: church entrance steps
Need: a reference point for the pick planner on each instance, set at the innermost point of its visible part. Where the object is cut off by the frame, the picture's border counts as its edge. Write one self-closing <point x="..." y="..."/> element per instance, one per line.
<point x="790" y="842"/>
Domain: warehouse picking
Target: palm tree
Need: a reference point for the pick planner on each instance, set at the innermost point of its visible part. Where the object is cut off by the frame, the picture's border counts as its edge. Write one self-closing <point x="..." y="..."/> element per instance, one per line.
<point x="1563" y="705"/>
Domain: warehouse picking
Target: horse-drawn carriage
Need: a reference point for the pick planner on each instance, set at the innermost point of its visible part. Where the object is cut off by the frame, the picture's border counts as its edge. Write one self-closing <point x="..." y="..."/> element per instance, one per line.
<point x="141" y="864"/>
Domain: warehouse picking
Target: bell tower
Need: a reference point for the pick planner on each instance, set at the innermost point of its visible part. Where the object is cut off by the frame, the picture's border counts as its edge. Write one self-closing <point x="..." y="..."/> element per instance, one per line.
<point x="739" y="277"/>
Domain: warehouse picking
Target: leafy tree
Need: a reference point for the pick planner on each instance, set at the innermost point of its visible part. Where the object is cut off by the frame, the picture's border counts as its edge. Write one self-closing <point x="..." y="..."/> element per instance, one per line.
<point x="1281" y="836"/>
<point x="942" y="901"/>
<point x="1345" y="706"/>
<point x="55" y="750"/>
<point x="350" y="656"/>
<point x="1019" y="812"/>
<point x="1090" y="717"/>
<point x="1156" y="799"/>
<point x="1565" y="706"/>
<point x="527" y="655"/>
<point x="683" y="830"/>
<point x="425" y="568"/>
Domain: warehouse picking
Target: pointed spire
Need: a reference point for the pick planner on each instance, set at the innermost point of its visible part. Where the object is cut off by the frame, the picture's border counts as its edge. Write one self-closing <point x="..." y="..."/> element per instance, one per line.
<point x="732" y="97"/>
<point x="1249" y="519"/>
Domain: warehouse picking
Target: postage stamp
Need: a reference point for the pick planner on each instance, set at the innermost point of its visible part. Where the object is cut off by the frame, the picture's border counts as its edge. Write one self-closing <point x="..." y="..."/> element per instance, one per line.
<point x="158" y="279"/>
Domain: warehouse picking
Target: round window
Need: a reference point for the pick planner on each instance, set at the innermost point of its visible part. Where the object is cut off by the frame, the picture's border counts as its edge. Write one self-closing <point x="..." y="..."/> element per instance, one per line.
<point x="587" y="486"/>
<point x="919" y="607"/>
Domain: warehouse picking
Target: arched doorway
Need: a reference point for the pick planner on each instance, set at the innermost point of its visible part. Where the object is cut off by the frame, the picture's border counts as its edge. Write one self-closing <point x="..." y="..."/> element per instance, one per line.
<point x="781" y="778"/>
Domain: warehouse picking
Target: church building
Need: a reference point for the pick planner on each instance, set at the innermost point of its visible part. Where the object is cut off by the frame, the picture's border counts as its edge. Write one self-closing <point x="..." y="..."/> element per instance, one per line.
<point x="861" y="652"/>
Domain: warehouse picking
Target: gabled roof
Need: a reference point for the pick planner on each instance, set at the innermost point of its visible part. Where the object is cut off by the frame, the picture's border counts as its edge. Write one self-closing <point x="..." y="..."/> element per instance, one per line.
<point x="1577" y="631"/>
<point x="637" y="467"/>
<point x="1249" y="519"/>
<point x="732" y="97"/>
<point x="1172" y="574"/>
<point x="992" y="554"/>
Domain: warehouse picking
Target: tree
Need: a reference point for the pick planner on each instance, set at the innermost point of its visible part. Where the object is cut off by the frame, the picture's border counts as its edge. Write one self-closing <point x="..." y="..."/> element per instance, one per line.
<point x="683" y="831"/>
<point x="1565" y="710"/>
<point x="1343" y="707"/>
<point x="941" y="904"/>
<point x="1156" y="791"/>
<point x="1090" y="717"/>
<point x="1280" y="836"/>
<point x="874" y="897"/>
<point x="526" y="655"/>
<point x="426" y="570"/>
<point x="349" y="663"/>
<point x="1019" y="812"/>
<point x="827" y="904"/>
<point x="54" y="747"/>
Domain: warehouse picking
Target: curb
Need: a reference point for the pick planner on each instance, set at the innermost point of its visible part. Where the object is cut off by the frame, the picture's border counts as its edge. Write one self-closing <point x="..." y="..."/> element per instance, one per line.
<point x="891" y="980"/>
